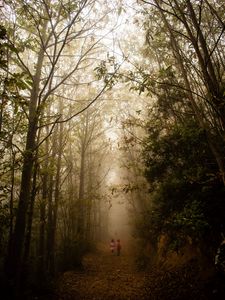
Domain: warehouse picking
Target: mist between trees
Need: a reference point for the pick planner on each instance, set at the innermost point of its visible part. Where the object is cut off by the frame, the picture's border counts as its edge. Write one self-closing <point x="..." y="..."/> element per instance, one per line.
<point x="112" y="114"/>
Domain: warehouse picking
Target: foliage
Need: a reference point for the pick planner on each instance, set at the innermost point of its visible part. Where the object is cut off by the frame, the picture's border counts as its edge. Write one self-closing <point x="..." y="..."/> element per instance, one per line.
<point x="108" y="71"/>
<point x="183" y="152"/>
<point x="170" y="151"/>
<point x="182" y="172"/>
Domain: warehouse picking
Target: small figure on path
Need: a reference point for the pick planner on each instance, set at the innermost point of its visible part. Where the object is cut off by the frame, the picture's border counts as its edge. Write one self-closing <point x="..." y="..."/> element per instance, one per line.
<point x="112" y="245"/>
<point x="118" y="247"/>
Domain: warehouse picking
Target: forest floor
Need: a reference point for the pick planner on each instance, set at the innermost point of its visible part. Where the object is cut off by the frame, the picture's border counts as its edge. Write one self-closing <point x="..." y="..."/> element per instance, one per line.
<point x="105" y="276"/>
<point x="110" y="277"/>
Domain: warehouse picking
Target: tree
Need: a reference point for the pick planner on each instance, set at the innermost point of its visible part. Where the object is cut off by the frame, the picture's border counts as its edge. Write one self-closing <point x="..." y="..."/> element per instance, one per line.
<point x="48" y="32"/>
<point x="199" y="66"/>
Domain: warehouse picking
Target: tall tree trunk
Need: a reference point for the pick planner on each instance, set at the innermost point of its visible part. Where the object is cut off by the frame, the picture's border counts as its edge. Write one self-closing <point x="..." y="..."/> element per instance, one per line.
<point x="11" y="204"/>
<point x="84" y="143"/>
<point x="89" y="201"/>
<point x="27" y="242"/>
<point x="50" y="216"/>
<point x="30" y="215"/>
<point x="57" y="195"/>
<point x="31" y="208"/>
<point x="80" y="229"/>
<point x="14" y="257"/>
<point x="41" y="272"/>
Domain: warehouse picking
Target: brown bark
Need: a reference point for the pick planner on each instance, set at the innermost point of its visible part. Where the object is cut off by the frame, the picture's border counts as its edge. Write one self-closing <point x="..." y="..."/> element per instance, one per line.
<point x="30" y="216"/>
<point x="80" y="225"/>
<point x="41" y="271"/>
<point x="13" y="262"/>
<point x="56" y="196"/>
<point x="49" y="238"/>
<point x="11" y="203"/>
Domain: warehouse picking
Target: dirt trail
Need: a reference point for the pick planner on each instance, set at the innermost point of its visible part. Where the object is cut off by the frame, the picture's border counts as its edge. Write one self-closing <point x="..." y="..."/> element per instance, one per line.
<point x="105" y="276"/>
<point x="109" y="277"/>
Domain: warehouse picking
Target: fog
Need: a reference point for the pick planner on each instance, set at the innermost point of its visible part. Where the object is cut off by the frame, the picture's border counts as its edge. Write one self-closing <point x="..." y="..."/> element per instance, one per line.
<point x="119" y="222"/>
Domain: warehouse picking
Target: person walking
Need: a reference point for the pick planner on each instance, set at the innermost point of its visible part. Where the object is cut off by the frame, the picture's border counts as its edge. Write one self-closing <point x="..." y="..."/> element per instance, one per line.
<point x="112" y="245"/>
<point x="118" y="247"/>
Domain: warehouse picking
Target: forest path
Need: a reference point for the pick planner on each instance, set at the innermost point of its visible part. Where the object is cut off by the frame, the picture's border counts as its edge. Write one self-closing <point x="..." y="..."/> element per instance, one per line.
<point x="110" y="277"/>
<point x="105" y="276"/>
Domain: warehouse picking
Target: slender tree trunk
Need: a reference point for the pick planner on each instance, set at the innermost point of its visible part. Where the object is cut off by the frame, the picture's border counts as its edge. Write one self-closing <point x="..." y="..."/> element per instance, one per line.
<point x="57" y="196"/>
<point x="41" y="272"/>
<point x="80" y="229"/>
<point x="14" y="258"/>
<point x="30" y="216"/>
<point x="31" y="209"/>
<point x="50" y="216"/>
<point x="27" y="242"/>
<point x="89" y="201"/>
<point x="11" y="204"/>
